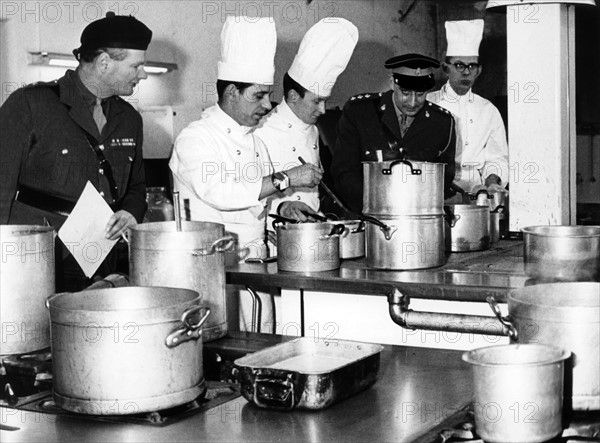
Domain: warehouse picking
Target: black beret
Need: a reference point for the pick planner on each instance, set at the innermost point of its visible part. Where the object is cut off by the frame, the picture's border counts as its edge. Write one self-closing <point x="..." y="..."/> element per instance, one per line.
<point x="115" y="31"/>
<point x="413" y="71"/>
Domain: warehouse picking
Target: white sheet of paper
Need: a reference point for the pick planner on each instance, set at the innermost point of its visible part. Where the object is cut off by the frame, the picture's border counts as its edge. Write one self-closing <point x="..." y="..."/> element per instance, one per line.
<point x="83" y="231"/>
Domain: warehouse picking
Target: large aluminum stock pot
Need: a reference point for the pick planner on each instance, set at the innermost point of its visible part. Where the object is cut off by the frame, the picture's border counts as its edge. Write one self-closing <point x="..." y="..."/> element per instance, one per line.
<point x="468" y="228"/>
<point x="403" y="187"/>
<point x="26" y="279"/>
<point x="308" y="247"/>
<point x="518" y="392"/>
<point x="192" y="258"/>
<point x="126" y="350"/>
<point x="403" y="243"/>
<point x="563" y="253"/>
<point x="566" y="315"/>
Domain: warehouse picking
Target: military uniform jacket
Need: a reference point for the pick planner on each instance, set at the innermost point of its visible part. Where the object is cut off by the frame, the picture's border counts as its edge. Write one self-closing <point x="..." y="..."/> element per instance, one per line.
<point x="43" y="146"/>
<point x="287" y="138"/>
<point x="368" y="124"/>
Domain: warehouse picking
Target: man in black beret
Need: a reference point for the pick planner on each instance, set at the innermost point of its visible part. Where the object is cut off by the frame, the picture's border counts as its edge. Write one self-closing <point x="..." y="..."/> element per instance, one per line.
<point x="397" y="124"/>
<point x="57" y="136"/>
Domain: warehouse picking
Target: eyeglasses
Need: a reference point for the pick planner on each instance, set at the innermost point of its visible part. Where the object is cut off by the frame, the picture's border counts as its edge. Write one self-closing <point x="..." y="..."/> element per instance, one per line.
<point x="460" y="66"/>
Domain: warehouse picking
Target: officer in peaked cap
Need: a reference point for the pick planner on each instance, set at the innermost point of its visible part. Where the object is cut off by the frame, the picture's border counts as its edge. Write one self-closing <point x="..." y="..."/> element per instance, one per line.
<point x="397" y="124"/>
<point x="84" y="132"/>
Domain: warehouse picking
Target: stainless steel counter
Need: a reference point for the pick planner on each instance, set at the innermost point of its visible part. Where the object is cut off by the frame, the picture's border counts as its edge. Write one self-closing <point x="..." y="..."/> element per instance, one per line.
<point x="467" y="276"/>
<point x="417" y="388"/>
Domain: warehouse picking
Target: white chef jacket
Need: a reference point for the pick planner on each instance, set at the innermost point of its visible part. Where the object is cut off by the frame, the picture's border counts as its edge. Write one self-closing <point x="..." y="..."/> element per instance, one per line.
<point x="218" y="166"/>
<point x="481" y="147"/>
<point x="287" y="138"/>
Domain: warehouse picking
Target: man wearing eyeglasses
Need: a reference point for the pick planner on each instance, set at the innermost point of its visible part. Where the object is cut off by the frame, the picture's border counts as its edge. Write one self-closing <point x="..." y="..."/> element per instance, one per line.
<point x="481" y="147"/>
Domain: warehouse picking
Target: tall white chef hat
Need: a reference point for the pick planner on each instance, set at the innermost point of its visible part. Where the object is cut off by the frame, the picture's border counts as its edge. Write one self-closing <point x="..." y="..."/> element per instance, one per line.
<point x="324" y="53"/>
<point x="248" y="50"/>
<point x="464" y="37"/>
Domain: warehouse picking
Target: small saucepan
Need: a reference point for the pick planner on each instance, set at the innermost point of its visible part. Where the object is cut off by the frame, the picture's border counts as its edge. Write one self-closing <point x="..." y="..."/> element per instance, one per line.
<point x="308" y="247"/>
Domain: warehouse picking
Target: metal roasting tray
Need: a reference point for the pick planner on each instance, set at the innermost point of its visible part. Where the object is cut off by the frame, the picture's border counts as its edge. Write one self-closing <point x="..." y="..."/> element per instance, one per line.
<point x="307" y="373"/>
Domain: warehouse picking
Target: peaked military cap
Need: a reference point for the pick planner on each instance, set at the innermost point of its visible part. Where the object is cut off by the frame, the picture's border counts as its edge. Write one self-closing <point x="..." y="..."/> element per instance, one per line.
<point x="413" y="71"/>
<point x="115" y="31"/>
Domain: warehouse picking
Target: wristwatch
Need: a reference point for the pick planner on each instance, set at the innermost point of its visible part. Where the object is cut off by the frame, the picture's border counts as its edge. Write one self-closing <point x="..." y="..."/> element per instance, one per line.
<point x="281" y="180"/>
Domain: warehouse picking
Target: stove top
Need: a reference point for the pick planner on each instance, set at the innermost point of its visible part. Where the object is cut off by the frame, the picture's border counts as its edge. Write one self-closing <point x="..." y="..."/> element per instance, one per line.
<point x="26" y="384"/>
<point x="460" y="427"/>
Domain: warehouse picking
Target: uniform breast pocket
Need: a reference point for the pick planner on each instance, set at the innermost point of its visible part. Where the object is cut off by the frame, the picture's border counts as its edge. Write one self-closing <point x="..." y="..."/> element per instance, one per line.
<point x="121" y="159"/>
<point x="60" y="166"/>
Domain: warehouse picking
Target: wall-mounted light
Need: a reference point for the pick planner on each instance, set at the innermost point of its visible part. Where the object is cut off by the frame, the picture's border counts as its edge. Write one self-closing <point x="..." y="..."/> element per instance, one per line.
<point x="69" y="61"/>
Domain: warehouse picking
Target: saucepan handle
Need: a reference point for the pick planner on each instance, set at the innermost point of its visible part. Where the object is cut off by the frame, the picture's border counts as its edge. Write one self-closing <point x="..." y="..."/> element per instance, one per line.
<point x="506" y="321"/>
<point x="190" y="331"/>
<point x="337" y="230"/>
<point x="221" y="245"/>
<point x="270" y="391"/>
<point x="413" y="171"/>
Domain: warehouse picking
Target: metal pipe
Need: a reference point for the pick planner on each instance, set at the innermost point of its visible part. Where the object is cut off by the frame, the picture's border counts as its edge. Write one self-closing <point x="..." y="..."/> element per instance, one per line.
<point x="436" y="321"/>
<point x="176" y="208"/>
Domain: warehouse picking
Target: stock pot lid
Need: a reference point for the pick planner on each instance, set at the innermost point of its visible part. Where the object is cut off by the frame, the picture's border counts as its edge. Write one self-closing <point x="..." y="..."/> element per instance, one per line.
<point x="147" y="305"/>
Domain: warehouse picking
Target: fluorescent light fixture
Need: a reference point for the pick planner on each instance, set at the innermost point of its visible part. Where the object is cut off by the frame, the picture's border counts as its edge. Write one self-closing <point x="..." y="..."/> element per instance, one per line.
<point x="497" y="3"/>
<point x="69" y="61"/>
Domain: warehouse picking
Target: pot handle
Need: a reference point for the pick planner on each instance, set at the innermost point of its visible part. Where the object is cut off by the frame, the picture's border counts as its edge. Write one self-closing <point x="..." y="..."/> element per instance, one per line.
<point x="360" y="227"/>
<point x="270" y="391"/>
<point x="506" y="321"/>
<point x="451" y="218"/>
<point x="189" y="331"/>
<point x="498" y="208"/>
<point x="388" y="231"/>
<point x="478" y="193"/>
<point x="338" y="230"/>
<point x="220" y="245"/>
<point x="413" y="171"/>
<point x="50" y="298"/>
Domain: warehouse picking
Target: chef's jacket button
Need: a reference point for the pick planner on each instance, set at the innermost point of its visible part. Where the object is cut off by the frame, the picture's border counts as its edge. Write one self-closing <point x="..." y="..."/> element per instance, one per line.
<point x="294" y="149"/>
<point x="101" y="171"/>
<point x="315" y="146"/>
<point x="298" y="197"/>
<point x="228" y="130"/>
<point x="239" y="152"/>
<point x="257" y="154"/>
<point x="65" y="151"/>
<point x="466" y="143"/>
<point x="102" y="193"/>
<point x="289" y="125"/>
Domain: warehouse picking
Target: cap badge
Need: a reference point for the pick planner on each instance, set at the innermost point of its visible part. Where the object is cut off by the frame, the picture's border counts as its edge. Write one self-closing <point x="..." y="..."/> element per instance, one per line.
<point x="418" y="72"/>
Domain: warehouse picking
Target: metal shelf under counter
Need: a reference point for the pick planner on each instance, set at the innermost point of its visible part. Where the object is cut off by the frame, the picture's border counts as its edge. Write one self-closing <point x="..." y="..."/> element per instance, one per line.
<point x="466" y="276"/>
